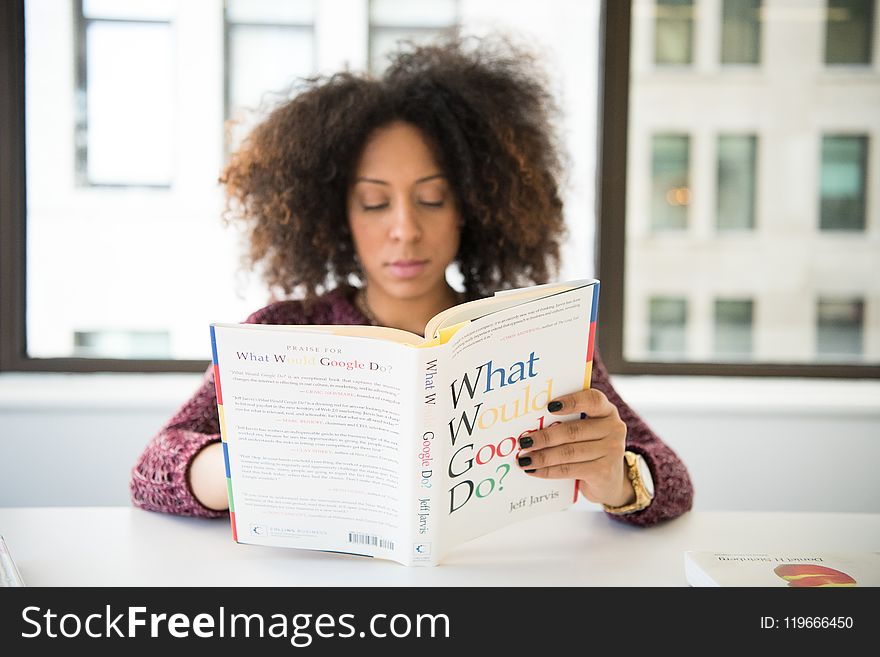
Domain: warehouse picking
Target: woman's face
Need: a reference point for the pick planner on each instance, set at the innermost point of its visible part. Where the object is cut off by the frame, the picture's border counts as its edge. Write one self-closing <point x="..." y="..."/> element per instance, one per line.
<point x="403" y="215"/>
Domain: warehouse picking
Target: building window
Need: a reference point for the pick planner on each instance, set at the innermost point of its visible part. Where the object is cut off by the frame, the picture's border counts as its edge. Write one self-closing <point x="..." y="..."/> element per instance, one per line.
<point x="741" y="32"/>
<point x="670" y="194"/>
<point x="733" y="329"/>
<point x="393" y="21"/>
<point x="674" y="32"/>
<point x="839" y="327"/>
<point x="849" y="31"/>
<point x="842" y="186"/>
<point x="667" y="325"/>
<point x="124" y="94"/>
<point x="736" y="182"/>
<point x="269" y="45"/>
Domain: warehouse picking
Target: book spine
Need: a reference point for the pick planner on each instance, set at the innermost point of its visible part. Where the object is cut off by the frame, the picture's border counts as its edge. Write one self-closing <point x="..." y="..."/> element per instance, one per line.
<point x="428" y="462"/>
<point x="223" y="434"/>
<point x="591" y="339"/>
<point x="591" y="342"/>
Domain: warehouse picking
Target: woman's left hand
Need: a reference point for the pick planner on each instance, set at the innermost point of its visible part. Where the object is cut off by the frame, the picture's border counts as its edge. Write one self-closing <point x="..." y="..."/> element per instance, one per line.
<point x="589" y="450"/>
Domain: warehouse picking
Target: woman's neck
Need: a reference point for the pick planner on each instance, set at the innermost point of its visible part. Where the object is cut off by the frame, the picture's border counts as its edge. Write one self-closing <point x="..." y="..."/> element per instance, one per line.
<point x="409" y="314"/>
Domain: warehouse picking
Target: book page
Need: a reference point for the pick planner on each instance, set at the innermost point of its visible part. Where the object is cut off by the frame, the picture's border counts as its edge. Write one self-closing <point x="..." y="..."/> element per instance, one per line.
<point x="502" y="371"/>
<point x="505" y="299"/>
<point x="354" y="330"/>
<point x="317" y="429"/>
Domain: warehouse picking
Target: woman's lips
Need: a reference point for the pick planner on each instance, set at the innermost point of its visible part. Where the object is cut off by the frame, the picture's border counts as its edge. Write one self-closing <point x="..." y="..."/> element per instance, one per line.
<point x="407" y="268"/>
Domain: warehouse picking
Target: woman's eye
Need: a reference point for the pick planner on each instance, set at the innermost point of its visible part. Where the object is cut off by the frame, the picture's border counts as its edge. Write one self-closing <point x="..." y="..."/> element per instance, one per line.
<point x="377" y="206"/>
<point x="432" y="204"/>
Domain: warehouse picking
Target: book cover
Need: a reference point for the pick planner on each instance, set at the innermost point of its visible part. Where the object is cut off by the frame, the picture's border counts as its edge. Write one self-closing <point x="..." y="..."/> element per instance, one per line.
<point x="378" y="442"/>
<point x="795" y="570"/>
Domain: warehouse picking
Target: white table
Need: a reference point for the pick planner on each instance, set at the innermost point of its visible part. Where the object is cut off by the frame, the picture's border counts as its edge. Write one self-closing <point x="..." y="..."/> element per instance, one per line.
<point x="122" y="546"/>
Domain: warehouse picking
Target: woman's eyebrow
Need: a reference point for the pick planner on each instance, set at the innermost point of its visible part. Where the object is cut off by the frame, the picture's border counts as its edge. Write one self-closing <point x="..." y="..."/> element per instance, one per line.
<point x="376" y="181"/>
<point x="431" y="177"/>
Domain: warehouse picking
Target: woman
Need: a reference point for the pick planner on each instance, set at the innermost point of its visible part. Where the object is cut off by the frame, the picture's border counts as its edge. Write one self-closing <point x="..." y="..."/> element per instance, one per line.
<point x="448" y="158"/>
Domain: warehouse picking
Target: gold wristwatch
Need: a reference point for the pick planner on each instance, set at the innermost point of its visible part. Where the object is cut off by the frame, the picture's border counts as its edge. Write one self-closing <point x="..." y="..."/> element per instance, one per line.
<point x="640" y="475"/>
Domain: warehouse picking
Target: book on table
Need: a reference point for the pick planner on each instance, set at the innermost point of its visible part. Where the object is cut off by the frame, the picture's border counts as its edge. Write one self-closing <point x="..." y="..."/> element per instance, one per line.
<point x="791" y="569"/>
<point x="379" y="442"/>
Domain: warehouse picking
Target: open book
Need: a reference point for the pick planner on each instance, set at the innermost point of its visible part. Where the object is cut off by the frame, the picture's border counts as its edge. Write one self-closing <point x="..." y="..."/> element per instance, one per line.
<point x="379" y="442"/>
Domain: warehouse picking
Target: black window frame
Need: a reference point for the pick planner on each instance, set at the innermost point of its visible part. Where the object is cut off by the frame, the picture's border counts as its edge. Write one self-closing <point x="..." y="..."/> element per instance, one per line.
<point x="610" y="231"/>
<point x="13" y="224"/>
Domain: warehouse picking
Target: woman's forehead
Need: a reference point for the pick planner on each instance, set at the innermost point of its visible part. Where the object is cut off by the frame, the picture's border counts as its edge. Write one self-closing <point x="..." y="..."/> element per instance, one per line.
<point x="394" y="148"/>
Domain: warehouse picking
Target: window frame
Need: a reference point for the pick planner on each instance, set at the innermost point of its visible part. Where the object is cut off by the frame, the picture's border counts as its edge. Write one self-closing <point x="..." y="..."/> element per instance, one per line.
<point x="610" y="231"/>
<point x="13" y="224"/>
<point x="610" y="243"/>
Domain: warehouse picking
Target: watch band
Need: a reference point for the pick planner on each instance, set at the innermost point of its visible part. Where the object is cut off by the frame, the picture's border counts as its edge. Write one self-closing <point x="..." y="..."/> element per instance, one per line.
<point x="643" y="497"/>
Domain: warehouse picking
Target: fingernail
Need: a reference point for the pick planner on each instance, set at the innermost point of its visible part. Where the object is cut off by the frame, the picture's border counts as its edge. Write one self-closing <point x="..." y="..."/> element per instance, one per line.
<point x="525" y="442"/>
<point x="528" y="471"/>
<point x="554" y="406"/>
<point x="524" y="460"/>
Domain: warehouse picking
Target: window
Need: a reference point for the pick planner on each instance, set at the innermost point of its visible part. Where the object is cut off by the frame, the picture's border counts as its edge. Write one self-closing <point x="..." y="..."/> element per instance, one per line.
<point x="842" y="186"/>
<point x="668" y="322"/>
<point x="674" y="32"/>
<point x="124" y="94"/>
<point x="849" y="31"/>
<point x="733" y="329"/>
<point x="671" y="194"/>
<point x="736" y="182"/>
<point x="741" y="32"/>
<point x="392" y="21"/>
<point x="839" y="327"/>
<point x="269" y="45"/>
<point x="737" y="197"/>
<point x="114" y="198"/>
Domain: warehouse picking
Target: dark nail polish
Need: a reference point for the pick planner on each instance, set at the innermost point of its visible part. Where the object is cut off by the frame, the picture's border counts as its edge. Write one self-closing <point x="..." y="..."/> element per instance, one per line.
<point x="554" y="406"/>
<point x="529" y="471"/>
<point x="524" y="460"/>
<point x="526" y="442"/>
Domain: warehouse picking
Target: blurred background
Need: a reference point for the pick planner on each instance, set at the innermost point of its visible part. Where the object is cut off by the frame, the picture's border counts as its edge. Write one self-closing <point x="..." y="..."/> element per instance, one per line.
<point x="722" y="182"/>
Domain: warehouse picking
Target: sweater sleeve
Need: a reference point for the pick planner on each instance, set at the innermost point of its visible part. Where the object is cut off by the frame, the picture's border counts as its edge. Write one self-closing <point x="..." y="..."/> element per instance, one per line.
<point x="159" y="479"/>
<point x="673" y="491"/>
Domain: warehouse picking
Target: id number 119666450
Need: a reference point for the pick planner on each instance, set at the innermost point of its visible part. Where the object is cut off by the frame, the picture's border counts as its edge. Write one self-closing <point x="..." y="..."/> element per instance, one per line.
<point x="807" y="622"/>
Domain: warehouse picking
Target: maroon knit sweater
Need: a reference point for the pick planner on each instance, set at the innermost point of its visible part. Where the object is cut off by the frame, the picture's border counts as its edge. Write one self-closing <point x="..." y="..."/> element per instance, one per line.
<point x="159" y="479"/>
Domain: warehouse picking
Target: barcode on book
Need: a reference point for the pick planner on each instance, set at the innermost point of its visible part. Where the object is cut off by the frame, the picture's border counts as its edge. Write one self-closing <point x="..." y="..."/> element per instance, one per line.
<point x="368" y="539"/>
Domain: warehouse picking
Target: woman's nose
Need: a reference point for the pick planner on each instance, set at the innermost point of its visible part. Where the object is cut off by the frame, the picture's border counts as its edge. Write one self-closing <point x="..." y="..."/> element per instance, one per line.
<point x="405" y="224"/>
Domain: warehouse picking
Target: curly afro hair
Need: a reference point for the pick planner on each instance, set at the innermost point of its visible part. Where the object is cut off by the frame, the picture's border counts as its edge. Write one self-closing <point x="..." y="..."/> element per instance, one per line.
<point x="484" y="105"/>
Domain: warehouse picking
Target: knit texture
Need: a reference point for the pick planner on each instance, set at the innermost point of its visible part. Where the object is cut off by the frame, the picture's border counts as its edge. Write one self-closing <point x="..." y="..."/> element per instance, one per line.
<point x="159" y="480"/>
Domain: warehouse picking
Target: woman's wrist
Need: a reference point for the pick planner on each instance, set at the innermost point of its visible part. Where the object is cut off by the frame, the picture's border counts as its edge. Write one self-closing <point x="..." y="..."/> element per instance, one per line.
<point x="627" y="494"/>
